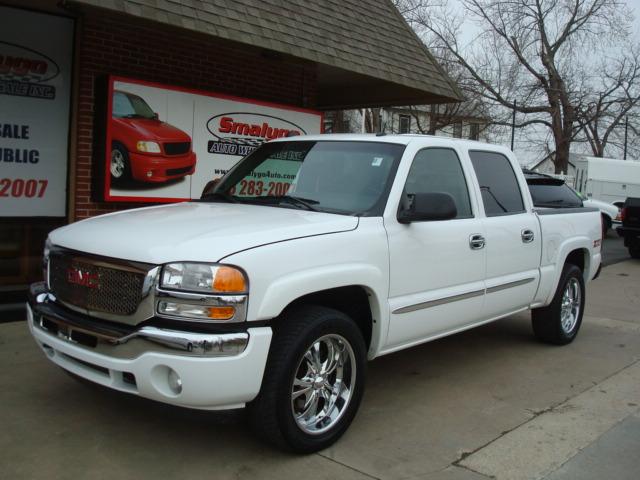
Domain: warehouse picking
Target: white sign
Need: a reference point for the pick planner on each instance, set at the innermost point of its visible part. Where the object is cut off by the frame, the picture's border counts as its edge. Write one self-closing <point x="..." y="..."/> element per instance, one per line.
<point x="35" y="84"/>
<point x="166" y="143"/>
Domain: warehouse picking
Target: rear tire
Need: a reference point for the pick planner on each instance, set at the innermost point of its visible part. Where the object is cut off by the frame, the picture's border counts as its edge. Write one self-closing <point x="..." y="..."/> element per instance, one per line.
<point x="313" y="382"/>
<point x="559" y="322"/>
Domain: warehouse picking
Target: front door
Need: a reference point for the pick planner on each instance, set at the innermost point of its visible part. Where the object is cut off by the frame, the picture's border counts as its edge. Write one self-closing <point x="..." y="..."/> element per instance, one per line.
<point x="437" y="267"/>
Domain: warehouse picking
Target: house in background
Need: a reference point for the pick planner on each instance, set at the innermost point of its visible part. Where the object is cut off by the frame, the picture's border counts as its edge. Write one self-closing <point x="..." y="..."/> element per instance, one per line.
<point x="459" y="120"/>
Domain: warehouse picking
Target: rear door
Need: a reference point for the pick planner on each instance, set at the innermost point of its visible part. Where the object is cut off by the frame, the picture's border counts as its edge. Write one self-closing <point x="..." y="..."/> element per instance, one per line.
<point x="512" y="233"/>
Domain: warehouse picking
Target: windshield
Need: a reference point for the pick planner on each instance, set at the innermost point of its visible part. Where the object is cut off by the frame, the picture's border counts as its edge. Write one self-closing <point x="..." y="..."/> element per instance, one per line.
<point x="351" y="178"/>
<point x="126" y="105"/>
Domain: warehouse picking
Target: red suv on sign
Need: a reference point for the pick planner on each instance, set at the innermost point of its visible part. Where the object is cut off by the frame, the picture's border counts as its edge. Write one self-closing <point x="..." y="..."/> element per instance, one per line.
<point x="143" y="147"/>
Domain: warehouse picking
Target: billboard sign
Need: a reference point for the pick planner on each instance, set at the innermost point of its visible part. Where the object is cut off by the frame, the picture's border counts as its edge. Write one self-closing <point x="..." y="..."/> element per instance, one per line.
<point x="165" y="143"/>
<point x="35" y="85"/>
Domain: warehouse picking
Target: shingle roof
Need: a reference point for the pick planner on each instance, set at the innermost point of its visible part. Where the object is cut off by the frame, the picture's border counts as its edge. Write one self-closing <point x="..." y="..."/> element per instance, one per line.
<point x="367" y="37"/>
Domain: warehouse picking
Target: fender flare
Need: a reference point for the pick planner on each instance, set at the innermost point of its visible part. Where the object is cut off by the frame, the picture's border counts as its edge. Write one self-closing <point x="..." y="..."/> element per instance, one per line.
<point x="285" y="290"/>
<point x="564" y="250"/>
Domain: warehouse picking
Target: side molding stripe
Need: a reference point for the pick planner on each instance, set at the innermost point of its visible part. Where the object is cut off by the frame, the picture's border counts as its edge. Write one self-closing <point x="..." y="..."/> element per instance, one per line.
<point x="504" y="286"/>
<point x="440" y="301"/>
<point x="463" y="296"/>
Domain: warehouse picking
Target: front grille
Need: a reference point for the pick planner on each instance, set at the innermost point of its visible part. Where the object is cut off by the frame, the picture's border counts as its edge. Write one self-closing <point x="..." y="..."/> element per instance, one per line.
<point x="93" y="286"/>
<point x="177" y="148"/>
<point x="178" y="171"/>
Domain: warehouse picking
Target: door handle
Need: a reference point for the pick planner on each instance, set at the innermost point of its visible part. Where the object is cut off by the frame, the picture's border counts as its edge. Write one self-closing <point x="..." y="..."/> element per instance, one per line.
<point x="527" y="236"/>
<point x="476" y="241"/>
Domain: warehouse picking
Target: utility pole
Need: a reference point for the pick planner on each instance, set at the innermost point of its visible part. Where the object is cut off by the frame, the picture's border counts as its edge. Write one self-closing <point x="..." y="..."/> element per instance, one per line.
<point x="513" y="124"/>
<point x="626" y="131"/>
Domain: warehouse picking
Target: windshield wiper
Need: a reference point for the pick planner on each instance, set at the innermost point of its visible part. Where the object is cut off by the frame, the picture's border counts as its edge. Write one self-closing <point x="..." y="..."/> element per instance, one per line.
<point x="136" y="115"/>
<point x="220" y="195"/>
<point x="305" y="202"/>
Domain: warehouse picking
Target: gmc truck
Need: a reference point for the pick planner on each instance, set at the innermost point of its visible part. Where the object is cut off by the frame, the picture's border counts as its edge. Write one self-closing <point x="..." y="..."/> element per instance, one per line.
<point x="309" y="257"/>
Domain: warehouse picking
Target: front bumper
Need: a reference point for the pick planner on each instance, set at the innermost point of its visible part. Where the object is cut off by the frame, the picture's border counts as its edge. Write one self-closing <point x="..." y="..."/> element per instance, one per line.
<point x="160" y="168"/>
<point x="216" y="371"/>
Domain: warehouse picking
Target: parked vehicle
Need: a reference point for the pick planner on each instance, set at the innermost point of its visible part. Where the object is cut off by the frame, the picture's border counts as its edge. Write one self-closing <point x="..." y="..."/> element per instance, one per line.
<point x="143" y="147"/>
<point x="606" y="179"/>
<point x="548" y="191"/>
<point x="275" y="301"/>
<point x="630" y="229"/>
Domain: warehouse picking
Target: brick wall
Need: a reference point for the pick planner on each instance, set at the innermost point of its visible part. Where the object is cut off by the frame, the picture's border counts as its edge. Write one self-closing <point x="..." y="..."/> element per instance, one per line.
<point x="121" y="45"/>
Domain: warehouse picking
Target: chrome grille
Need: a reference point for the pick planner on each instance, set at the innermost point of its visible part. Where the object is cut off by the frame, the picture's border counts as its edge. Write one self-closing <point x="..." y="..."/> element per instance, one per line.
<point x="93" y="285"/>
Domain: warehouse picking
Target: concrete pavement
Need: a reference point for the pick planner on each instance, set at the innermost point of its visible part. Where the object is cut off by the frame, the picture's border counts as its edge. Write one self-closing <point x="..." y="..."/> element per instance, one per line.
<point x="491" y="402"/>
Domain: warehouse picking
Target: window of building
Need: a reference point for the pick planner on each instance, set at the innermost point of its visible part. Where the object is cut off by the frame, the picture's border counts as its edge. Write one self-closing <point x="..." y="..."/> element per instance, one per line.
<point x="474" y="131"/>
<point x="439" y="170"/>
<point x="457" y="130"/>
<point x="405" y="124"/>
<point x="498" y="183"/>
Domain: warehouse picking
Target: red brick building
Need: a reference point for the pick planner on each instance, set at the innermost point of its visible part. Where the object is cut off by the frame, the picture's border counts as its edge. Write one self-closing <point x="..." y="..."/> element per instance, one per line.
<point x="60" y="57"/>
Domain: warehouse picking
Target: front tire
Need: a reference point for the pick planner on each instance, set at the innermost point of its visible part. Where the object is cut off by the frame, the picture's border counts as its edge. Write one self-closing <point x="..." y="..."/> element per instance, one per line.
<point x="559" y="322"/>
<point x="313" y="382"/>
<point x="119" y="167"/>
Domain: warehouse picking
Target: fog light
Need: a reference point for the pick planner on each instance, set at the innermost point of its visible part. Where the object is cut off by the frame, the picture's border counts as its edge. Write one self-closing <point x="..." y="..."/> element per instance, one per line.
<point x="149" y="174"/>
<point x="175" y="382"/>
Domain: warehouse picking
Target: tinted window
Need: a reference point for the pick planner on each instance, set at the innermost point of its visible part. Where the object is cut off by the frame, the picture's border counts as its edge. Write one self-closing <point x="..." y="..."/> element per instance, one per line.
<point x="554" y="196"/>
<point x="438" y="170"/>
<point x="498" y="183"/>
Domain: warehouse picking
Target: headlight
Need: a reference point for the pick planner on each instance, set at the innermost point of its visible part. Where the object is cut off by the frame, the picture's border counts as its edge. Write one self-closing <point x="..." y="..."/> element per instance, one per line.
<point x="204" y="291"/>
<point x="45" y="261"/>
<point x="203" y="277"/>
<point x="148" y="147"/>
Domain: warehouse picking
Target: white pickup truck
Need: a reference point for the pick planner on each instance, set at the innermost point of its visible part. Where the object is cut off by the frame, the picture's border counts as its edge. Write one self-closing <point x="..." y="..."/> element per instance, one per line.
<point x="310" y="256"/>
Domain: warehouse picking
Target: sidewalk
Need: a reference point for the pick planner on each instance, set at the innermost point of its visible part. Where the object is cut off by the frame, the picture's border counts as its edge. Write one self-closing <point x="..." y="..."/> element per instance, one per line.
<point x="490" y="402"/>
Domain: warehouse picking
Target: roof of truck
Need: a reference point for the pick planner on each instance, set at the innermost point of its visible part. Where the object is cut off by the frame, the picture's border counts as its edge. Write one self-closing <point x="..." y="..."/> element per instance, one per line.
<point x="404" y="139"/>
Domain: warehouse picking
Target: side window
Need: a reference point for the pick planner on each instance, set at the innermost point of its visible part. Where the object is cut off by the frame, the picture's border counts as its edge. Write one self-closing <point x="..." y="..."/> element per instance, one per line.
<point x="439" y="170"/>
<point x="500" y="191"/>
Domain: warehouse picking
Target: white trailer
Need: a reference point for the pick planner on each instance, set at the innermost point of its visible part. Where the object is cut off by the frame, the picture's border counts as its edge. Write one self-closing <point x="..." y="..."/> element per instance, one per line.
<point x="606" y="179"/>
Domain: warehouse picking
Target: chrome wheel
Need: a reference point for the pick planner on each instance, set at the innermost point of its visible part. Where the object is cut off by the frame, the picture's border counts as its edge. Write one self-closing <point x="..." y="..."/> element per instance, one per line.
<point x="117" y="163"/>
<point x="570" y="306"/>
<point x="323" y="384"/>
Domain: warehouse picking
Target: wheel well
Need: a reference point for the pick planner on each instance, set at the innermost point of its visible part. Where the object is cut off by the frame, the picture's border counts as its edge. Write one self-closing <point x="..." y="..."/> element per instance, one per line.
<point x="353" y="301"/>
<point x="576" y="257"/>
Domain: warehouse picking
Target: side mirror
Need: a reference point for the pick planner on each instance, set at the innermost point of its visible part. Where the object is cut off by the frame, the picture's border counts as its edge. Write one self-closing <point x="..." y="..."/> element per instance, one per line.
<point x="210" y="187"/>
<point x="425" y="207"/>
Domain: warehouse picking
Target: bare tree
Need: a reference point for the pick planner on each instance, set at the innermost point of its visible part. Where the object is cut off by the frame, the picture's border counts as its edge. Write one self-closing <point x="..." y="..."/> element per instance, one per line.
<point x="610" y="103"/>
<point x="526" y="55"/>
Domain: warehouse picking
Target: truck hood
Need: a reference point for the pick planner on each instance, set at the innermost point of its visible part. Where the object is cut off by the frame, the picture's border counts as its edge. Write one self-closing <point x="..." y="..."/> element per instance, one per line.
<point x="194" y="231"/>
<point x="150" y="129"/>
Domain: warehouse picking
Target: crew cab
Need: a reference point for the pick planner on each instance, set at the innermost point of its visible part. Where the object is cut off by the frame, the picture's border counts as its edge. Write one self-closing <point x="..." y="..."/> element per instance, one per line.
<point x="275" y="301"/>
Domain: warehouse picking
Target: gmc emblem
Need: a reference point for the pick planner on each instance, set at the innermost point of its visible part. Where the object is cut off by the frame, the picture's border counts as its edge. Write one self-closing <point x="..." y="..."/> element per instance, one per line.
<point x="77" y="276"/>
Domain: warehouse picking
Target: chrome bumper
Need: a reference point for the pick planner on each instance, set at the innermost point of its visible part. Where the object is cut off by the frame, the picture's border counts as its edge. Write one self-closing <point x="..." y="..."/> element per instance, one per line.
<point x="126" y="345"/>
